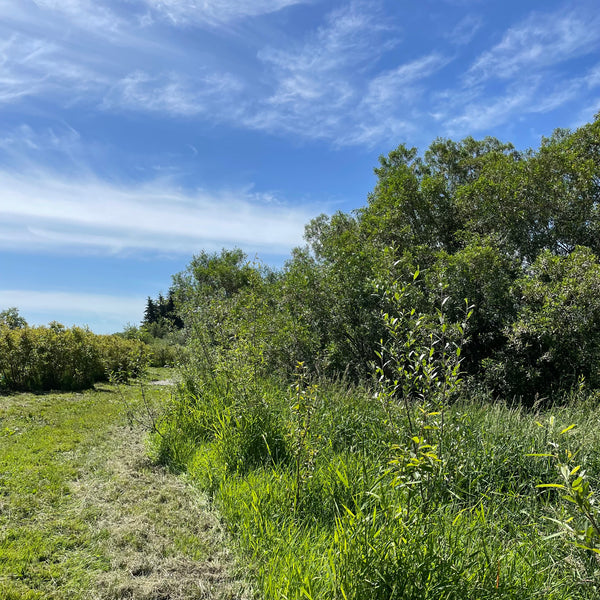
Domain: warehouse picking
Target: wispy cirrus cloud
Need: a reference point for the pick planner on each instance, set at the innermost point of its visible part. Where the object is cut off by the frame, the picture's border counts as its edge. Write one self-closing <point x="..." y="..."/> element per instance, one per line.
<point x="465" y="30"/>
<point x="541" y="41"/>
<point x="31" y="67"/>
<point x="41" y="210"/>
<point x="318" y="69"/>
<point x="350" y="79"/>
<point x="52" y="199"/>
<point x="527" y="73"/>
<point x="99" y="17"/>
<point x="386" y="90"/>
<point x="42" y="68"/>
<point x="174" y="93"/>
<point x="329" y="86"/>
<point x="215" y="11"/>
<point x="525" y="95"/>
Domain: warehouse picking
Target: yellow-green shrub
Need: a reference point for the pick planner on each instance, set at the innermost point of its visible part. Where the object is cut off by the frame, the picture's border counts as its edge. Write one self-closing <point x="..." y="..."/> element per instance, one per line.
<point x="54" y="357"/>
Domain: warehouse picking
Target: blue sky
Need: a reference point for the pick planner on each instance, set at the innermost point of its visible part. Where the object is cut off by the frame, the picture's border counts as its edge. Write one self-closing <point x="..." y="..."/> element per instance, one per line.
<point x="135" y="133"/>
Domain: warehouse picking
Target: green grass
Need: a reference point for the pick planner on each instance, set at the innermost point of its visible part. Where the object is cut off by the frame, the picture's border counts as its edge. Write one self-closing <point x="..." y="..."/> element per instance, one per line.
<point x="46" y="545"/>
<point x="365" y="525"/>
<point x="84" y="513"/>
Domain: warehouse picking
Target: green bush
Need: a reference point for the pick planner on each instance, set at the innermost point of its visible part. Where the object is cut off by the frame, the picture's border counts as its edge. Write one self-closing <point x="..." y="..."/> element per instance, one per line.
<point x="555" y="339"/>
<point x="121" y="359"/>
<point x="57" y="358"/>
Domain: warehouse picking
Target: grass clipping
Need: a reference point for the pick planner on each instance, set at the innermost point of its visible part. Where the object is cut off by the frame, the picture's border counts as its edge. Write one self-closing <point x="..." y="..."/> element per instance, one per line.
<point x="85" y="514"/>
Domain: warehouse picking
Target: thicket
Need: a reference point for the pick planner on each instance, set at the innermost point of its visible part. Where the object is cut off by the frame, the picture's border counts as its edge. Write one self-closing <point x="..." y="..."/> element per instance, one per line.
<point x="380" y="418"/>
<point x="165" y="347"/>
<point x="58" y="358"/>
<point x="516" y="233"/>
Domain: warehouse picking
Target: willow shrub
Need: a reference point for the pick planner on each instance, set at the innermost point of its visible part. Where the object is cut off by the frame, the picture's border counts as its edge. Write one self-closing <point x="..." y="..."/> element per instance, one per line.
<point x="57" y="358"/>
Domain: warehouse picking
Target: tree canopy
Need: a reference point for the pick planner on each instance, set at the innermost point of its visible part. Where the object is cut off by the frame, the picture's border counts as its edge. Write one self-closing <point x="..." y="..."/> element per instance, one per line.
<point x="517" y="233"/>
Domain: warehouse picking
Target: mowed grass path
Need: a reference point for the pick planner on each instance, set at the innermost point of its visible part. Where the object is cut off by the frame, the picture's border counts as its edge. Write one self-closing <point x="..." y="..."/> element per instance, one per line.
<point x="85" y="514"/>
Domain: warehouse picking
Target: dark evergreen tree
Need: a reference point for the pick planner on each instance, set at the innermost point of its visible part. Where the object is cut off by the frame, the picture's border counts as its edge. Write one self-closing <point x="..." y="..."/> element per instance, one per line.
<point x="150" y="313"/>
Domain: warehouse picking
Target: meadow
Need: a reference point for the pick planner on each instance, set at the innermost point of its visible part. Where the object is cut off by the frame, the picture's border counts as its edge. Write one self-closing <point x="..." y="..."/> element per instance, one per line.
<point x="85" y="514"/>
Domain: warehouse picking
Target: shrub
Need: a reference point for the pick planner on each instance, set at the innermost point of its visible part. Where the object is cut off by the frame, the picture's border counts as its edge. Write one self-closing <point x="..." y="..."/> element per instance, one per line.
<point x="57" y="358"/>
<point x="555" y="339"/>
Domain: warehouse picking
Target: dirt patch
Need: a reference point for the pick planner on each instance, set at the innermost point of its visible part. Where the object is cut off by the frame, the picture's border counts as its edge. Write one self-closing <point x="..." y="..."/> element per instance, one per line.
<point x="162" y="539"/>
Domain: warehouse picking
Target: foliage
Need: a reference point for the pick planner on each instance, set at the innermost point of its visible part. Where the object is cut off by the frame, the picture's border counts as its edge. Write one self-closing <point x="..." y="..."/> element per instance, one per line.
<point x="167" y="350"/>
<point x="582" y="526"/>
<point x="555" y="339"/>
<point x="160" y="316"/>
<point x="475" y="216"/>
<point x="410" y="478"/>
<point x="57" y="358"/>
<point x="12" y="319"/>
<point x="418" y="376"/>
<point x="356" y="507"/>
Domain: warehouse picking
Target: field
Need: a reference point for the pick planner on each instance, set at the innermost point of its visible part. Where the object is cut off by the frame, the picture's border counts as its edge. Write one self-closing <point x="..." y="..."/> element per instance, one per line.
<point x="84" y="513"/>
<point x="320" y="492"/>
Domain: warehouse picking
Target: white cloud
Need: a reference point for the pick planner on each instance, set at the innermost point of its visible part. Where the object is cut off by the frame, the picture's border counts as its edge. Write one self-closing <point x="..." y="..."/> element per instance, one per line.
<point x="488" y="113"/>
<point x="23" y="141"/>
<point x="39" y="210"/>
<point x="329" y="88"/>
<point x="39" y="67"/>
<point x="528" y="72"/>
<point x="524" y="96"/>
<point x="540" y="41"/>
<point x="173" y="94"/>
<point x="387" y="89"/>
<point x="593" y="77"/>
<point x="216" y="11"/>
<point x="88" y="14"/>
<point x="344" y="81"/>
<point x="320" y="68"/>
<point x="17" y="76"/>
<point x="326" y="86"/>
<point x="464" y="31"/>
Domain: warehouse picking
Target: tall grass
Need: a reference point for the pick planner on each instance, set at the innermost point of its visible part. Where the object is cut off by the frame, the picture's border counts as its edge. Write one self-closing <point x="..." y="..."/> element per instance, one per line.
<point x="352" y="524"/>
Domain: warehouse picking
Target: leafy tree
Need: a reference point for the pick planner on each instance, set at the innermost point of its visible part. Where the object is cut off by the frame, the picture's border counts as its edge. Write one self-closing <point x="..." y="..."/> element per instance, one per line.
<point x="12" y="319"/>
<point x="482" y="274"/>
<point x="555" y="339"/>
<point x="210" y="274"/>
<point x="346" y="262"/>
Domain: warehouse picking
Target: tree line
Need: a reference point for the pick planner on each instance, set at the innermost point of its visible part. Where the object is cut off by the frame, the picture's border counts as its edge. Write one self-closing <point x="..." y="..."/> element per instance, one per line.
<point x="515" y="233"/>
